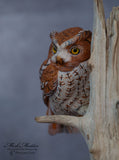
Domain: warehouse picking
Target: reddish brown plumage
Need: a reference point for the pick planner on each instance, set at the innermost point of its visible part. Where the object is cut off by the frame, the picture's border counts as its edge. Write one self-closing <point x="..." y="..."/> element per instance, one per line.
<point x="49" y="78"/>
<point x="60" y="73"/>
<point x="67" y="34"/>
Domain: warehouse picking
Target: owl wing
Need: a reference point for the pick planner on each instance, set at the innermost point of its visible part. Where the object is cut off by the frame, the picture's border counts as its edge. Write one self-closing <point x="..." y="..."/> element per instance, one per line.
<point x="48" y="78"/>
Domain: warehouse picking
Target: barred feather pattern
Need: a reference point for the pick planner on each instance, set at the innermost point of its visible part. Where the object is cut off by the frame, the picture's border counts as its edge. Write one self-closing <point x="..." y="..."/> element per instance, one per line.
<point x="73" y="91"/>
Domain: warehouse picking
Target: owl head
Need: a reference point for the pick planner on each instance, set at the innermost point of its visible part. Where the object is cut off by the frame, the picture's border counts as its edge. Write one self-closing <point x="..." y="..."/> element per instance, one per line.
<point x="69" y="48"/>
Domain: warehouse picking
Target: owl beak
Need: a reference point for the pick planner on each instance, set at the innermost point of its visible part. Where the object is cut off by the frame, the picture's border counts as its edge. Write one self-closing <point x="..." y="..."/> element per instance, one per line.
<point x="59" y="60"/>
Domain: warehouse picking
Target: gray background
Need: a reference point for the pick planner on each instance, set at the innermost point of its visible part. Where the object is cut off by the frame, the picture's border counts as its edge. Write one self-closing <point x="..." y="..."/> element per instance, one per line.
<point x="24" y="41"/>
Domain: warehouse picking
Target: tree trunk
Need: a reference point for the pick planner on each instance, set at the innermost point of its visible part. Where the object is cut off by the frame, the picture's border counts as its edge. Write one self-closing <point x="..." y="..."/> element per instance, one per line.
<point x="100" y="125"/>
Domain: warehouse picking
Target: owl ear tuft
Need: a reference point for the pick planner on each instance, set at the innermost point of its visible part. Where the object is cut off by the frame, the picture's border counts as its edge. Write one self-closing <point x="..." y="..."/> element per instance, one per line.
<point x="85" y="35"/>
<point x="88" y="36"/>
<point x="53" y="34"/>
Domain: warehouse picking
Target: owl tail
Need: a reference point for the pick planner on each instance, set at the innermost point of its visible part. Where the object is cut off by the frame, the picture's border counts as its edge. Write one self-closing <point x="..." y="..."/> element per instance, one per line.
<point x="58" y="128"/>
<point x="54" y="128"/>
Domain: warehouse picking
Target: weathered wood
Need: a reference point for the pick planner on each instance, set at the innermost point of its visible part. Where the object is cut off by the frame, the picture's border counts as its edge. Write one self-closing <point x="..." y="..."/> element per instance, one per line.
<point x="105" y="85"/>
<point x="100" y="125"/>
<point x="62" y="119"/>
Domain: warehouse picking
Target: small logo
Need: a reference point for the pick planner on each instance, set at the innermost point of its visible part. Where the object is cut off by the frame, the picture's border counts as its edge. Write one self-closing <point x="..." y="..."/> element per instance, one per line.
<point x="21" y="148"/>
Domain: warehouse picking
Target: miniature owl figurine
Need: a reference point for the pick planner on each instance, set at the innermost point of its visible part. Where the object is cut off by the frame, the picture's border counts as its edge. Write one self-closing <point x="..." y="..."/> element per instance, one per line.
<point x="64" y="75"/>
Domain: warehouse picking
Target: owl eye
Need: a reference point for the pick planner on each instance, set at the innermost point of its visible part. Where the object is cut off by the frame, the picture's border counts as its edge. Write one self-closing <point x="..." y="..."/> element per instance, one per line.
<point x="75" y="50"/>
<point x="54" y="49"/>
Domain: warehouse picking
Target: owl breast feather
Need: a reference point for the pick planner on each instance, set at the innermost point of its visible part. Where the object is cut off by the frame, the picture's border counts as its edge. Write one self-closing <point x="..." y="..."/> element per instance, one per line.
<point x="72" y="93"/>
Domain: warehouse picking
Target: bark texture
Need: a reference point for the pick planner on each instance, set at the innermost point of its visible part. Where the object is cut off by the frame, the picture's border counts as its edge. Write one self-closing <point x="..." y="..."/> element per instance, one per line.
<point x="100" y="125"/>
